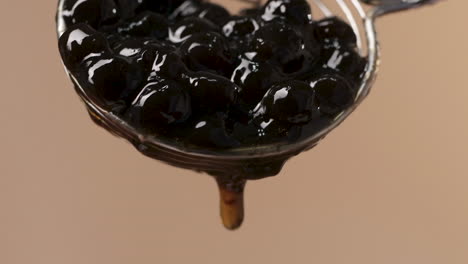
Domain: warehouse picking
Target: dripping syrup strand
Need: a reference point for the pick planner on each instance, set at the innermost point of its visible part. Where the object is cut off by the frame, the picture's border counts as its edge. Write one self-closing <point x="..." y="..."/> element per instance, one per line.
<point x="231" y="192"/>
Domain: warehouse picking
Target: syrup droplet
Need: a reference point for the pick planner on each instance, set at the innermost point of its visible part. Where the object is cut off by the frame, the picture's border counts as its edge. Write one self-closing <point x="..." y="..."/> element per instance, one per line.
<point x="231" y="202"/>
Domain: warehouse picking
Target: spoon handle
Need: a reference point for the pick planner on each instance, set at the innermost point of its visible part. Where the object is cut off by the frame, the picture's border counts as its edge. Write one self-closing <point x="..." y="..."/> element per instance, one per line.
<point x="382" y="7"/>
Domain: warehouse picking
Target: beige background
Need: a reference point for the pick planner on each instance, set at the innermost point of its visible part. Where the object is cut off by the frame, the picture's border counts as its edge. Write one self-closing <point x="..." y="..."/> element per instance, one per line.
<point x="388" y="186"/>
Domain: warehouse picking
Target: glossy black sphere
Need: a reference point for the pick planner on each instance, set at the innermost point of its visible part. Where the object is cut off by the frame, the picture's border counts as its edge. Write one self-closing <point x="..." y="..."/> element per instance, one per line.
<point x="333" y="93"/>
<point x="291" y="101"/>
<point x="160" y="104"/>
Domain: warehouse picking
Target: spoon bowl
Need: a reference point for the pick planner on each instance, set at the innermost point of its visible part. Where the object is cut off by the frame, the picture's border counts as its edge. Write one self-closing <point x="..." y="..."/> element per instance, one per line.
<point x="232" y="167"/>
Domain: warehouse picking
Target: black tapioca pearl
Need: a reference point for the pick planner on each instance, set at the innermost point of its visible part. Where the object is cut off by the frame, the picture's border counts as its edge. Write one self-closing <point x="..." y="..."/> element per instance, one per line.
<point x="214" y="13"/>
<point x="160" y="104"/>
<point x="146" y="24"/>
<point x="208" y="51"/>
<point x="92" y="12"/>
<point x="255" y="79"/>
<point x="79" y="42"/>
<point x="291" y="101"/>
<point x="186" y="9"/>
<point x="333" y="94"/>
<point x="184" y="29"/>
<point x="276" y="42"/>
<point x="239" y="27"/>
<point x="296" y="12"/>
<point x="334" y="32"/>
<point x="110" y="78"/>
<point x="212" y="92"/>
<point x="210" y="131"/>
